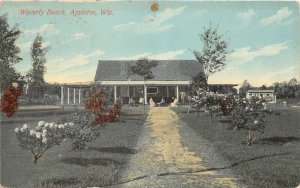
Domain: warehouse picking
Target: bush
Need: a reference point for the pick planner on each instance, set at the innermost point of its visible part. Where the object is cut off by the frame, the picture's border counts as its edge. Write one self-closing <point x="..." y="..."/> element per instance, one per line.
<point x="95" y="104"/>
<point x="46" y="135"/>
<point x="42" y="137"/>
<point x="9" y="101"/>
<point x="227" y="105"/>
<point x="251" y="115"/>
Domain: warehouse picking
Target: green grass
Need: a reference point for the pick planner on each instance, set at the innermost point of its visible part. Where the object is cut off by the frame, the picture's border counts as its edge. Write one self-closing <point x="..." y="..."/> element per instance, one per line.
<point x="61" y="166"/>
<point x="282" y="135"/>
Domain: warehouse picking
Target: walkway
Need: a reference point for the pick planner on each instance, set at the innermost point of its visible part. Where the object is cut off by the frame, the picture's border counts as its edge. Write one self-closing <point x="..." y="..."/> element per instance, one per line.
<point x="161" y="155"/>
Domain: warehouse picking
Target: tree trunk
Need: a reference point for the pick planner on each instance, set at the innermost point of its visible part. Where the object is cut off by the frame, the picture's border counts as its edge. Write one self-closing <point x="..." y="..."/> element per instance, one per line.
<point x="144" y="103"/>
<point x="35" y="158"/>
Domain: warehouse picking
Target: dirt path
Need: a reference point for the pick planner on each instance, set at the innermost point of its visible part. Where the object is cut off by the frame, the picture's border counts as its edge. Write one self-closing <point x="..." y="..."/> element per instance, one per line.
<point x="161" y="151"/>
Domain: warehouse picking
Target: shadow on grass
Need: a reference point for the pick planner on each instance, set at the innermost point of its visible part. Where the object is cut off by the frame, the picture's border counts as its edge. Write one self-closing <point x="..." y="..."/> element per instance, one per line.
<point x="279" y="140"/>
<point x="84" y="162"/>
<point x="119" y="149"/>
<point x="225" y="120"/>
<point x="55" y="182"/>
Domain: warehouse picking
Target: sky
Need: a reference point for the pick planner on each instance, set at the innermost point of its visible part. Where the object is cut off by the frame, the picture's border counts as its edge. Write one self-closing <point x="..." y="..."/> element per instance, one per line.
<point x="263" y="37"/>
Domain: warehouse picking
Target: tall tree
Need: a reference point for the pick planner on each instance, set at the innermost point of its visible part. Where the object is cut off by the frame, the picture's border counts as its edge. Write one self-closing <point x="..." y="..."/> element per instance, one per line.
<point x="214" y="52"/>
<point x="38" y="55"/>
<point x="9" y="52"/>
<point x="244" y="88"/>
<point x="143" y="68"/>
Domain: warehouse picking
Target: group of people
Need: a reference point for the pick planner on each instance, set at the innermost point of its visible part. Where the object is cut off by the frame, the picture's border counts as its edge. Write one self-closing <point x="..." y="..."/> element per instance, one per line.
<point x="152" y="103"/>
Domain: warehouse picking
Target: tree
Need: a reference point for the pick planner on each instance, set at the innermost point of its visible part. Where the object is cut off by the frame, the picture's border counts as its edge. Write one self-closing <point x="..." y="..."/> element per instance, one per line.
<point x="263" y="87"/>
<point x="199" y="81"/>
<point x="244" y="88"/>
<point x="143" y="68"/>
<point x="38" y="55"/>
<point x="9" y="53"/>
<point x="214" y="52"/>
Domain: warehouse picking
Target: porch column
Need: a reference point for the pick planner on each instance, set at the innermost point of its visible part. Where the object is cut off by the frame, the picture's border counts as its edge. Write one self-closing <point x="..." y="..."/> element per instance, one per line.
<point x="61" y="95"/>
<point x="128" y="93"/>
<point x="74" y="96"/>
<point x="167" y="91"/>
<point x="115" y="94"/>
<point x="68" y="95"/>
<point x="177" y="93"/>
<point x="79" y="91"/>
<point x="145" y="96"/>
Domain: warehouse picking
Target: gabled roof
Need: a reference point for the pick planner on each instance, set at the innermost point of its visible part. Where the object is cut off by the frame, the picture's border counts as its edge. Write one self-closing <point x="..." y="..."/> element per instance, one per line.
<point x="166" y="70"/>
<point x="260" y="91"/>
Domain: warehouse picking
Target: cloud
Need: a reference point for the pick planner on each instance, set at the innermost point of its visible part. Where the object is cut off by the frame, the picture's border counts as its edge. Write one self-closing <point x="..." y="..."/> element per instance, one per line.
<point x="246" y="16"/>
<point x="76" y="37"/>
<point x="62" y="64"/>
<point x="278" y="17"/>
<point x="45" y="29"/>
<point x="152" y="23"/>
<point x="26" y="46"/>
<point x="160" y="56"/>
<point x="244" y="55"/>
<point x="283" y="74"/>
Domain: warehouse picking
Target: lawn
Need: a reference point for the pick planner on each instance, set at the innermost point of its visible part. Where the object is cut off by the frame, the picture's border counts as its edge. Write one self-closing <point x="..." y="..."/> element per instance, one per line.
<point x="275" y="162"/>
<point x="61" y="166"/>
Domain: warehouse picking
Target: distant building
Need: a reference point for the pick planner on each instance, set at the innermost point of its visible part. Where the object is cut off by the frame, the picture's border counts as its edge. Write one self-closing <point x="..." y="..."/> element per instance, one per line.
<point x="267" y="94"/>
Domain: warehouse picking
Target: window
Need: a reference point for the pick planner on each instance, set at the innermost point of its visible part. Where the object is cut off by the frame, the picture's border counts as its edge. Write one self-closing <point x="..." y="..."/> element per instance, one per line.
<point x="152" y="90"/>
<point x="250" y="94"/>
<point x="268" y="94"/>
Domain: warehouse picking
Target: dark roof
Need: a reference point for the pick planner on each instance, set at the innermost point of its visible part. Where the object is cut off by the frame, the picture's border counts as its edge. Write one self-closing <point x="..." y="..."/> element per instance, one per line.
<point x="109" y="70"/>
<point x="260" y="91"/>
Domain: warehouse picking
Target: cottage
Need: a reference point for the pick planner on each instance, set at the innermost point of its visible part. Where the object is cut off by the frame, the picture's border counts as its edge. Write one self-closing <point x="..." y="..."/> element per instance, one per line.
<point x="267" y="94"/>
<point x="172" y="79"/>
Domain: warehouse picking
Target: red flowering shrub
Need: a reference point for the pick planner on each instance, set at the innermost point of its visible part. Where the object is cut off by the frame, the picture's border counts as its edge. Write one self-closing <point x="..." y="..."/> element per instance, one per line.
<point x="227" y="105"/>
<point x="112" y="115"/>
<point x="9" y="101"/>
<point x="95" y="104"/>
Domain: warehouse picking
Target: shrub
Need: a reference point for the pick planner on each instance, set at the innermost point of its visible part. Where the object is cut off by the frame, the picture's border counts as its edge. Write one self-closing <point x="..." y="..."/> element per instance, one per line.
<point x="227" y="105"/>
<point x="250" y="115"/>
<point x="46" y="135"/>
<point x="9" y="101"/>
<point x="112" y="115"/>
<point x="96" y="105"/>
<point x="42" y="137"/>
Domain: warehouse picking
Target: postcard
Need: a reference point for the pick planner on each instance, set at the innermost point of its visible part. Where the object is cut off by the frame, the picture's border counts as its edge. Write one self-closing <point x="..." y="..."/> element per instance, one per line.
<point x="149" y="93"/>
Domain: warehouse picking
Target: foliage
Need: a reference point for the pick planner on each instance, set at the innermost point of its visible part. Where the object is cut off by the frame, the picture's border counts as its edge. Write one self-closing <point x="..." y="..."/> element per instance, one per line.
<point x="9" y="53"/>
<point x="95" y="104"/>
<point x="112" y="115"/>
<point x="143" y="68"/>
<point x="244" y="88"/>
<point x="82" y="132"/>
<point x="290" y="89"/>
<point x="227" y="105"/>
<point x="250" y="115"/>
<point x="38" y="55"/>
<point x="9" y="101"/>
<point x="199" y="81"/>
<point x="42" y="137"/>
<point x="46" y="135"/>
<point x="214" y="52"/>
<point x="206" y="100"/>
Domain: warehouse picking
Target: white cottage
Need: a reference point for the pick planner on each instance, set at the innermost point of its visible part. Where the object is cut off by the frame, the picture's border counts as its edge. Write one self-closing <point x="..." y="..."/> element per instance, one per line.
<point x="267" y="94"/>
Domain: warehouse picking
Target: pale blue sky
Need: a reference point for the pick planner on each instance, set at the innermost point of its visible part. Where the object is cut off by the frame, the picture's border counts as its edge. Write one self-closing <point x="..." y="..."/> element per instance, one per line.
<point x="263" y="36"/>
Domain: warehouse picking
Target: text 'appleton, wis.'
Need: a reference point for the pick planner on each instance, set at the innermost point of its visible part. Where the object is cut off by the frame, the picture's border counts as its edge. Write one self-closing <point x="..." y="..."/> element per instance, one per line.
<point x="73" y="12"/>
